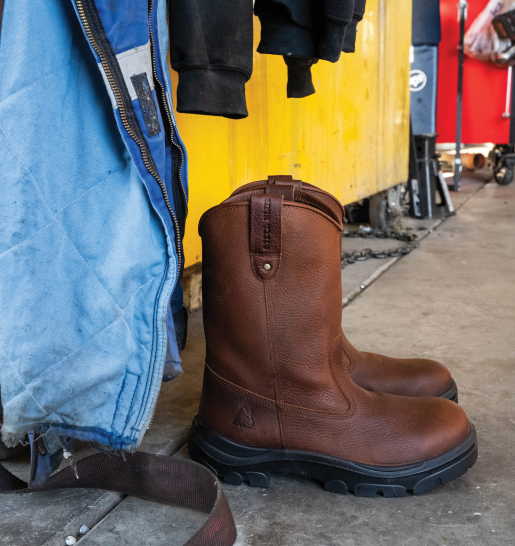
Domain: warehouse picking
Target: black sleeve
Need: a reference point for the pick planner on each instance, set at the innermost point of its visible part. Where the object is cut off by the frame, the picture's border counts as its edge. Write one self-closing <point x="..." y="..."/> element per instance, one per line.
<point x="349" y="42"/>
<point x="300" y="81"/>
<point x="304" y="31"/>
<point x="337" y="16"/>
<point x="306" y="28"/>
<point x="211" y="48"/>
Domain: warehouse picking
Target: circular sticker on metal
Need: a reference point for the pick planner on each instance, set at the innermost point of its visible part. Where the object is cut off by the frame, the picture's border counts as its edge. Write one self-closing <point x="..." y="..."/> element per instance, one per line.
<point x="417" y="80"/>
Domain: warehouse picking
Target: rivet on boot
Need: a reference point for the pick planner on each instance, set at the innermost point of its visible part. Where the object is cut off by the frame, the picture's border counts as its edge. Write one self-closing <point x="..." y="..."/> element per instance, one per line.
<point x="267" y="267"/>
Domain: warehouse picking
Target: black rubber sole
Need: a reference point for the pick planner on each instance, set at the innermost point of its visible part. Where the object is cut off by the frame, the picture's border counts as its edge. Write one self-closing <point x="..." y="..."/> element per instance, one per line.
<point x="451" y="394"/>
<point x="235" y="464"/>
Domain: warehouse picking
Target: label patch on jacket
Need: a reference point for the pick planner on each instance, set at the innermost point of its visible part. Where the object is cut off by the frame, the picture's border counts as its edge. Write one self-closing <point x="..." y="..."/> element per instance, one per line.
<point x="146" y="101"/>
<point x="243" y="418"/>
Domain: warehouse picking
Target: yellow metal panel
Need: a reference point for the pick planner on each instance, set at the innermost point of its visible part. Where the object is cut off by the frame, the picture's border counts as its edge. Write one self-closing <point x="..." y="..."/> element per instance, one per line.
<point x="350" y="138"/>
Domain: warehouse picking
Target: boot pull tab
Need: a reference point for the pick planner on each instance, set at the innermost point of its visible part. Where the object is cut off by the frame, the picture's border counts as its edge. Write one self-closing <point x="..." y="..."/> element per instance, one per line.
<point x="284" y="180"/>
<point x="265" y="234"/>
<point x="286" y="190"/>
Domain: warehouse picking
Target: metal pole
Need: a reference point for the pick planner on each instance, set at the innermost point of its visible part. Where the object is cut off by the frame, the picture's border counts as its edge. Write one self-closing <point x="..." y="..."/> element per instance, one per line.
<point x="462" y="7"/>
<point x="507" y="108"/>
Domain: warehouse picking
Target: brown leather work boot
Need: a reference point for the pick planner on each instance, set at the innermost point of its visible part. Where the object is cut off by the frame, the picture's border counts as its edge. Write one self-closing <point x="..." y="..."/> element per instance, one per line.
<point x="277" y="396"/>
<point x="377" y="373"/>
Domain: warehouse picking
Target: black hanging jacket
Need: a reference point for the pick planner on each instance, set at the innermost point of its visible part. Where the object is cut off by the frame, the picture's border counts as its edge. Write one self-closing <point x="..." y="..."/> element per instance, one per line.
<point x="304" y="31"/>
<point x="211" y="48"/>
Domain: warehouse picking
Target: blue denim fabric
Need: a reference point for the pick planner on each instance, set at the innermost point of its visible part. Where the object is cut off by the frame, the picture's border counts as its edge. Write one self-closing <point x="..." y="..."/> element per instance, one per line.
<point x="88" y="261"/>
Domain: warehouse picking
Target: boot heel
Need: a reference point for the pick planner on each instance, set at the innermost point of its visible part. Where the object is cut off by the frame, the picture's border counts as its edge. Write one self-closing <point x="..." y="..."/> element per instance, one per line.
<point x="230" y="475"/>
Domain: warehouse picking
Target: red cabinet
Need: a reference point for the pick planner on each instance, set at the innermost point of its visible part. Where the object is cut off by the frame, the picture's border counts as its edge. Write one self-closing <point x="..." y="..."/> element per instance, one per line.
<point x="484" y="86"/>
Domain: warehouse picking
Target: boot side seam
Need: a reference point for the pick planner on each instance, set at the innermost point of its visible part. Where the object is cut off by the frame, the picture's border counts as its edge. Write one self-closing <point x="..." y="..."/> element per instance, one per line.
<point x="273" y="354"/>
<point x="353" y="362"/>
<point x="236" y="388"/>
<point x="272" y="403"/>
<point x="335" y="372"/>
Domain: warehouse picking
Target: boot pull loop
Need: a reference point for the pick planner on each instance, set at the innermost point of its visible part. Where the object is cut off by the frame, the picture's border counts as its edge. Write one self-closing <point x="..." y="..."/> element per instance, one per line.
<point x="284" y="180"/>
<point x="286" y="190"/>
<point x="265" y="234"/>
<point x="272" y="178"/>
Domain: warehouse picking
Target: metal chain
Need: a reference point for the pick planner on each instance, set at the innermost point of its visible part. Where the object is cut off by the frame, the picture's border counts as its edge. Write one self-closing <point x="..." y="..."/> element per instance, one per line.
<point x="410" y="239"/>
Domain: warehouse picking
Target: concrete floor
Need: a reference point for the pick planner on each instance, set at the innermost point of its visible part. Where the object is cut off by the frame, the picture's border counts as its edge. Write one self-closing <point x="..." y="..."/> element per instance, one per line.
<point x="452" y="299"/>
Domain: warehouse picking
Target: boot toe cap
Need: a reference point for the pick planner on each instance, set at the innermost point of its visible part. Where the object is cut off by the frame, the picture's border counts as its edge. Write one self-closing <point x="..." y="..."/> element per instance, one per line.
<point x="402" y="376"/>
<point x="407" y="430"/>
<point x="447" y="427"/>
<point x="427" y="378"/>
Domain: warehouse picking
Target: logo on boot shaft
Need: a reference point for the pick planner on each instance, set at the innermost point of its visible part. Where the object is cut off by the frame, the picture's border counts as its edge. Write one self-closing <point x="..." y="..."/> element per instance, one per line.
<point x="243" y="418"/>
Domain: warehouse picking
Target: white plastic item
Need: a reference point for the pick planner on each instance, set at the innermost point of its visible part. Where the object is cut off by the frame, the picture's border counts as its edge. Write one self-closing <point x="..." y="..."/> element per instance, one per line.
<point x="481" y="40"/>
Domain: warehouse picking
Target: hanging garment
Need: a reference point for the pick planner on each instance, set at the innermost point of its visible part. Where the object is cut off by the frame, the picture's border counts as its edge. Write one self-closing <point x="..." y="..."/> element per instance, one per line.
<point x="92" y="213"/>
<point x="304" y="31"/>
<point x="211" y="49"/>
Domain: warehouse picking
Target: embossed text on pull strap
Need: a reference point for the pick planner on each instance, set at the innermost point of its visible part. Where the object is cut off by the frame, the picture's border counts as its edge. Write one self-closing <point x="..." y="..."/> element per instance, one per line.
<point x="265" y="234"/>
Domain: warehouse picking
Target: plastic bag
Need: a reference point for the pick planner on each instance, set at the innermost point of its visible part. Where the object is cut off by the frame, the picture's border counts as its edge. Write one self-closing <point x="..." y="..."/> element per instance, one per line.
<point x="481" y="40"/>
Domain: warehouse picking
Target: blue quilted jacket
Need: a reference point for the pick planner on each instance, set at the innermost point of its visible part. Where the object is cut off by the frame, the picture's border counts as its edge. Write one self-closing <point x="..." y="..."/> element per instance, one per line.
<point x="93" y="199"/>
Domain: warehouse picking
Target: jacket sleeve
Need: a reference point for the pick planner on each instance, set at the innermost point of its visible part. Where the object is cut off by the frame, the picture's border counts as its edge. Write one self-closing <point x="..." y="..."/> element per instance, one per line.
<point x="300" y="81"/>
<point x="211" y="46"/>
<point x="304" y="31"/>
<point x="349" y="41"/>
<point x="337" y="17"/>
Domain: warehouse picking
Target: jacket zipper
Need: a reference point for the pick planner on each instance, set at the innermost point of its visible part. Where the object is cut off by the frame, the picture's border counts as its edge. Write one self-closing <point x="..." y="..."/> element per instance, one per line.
<point x="83" y="9"/>
<point x="164" y="103"/>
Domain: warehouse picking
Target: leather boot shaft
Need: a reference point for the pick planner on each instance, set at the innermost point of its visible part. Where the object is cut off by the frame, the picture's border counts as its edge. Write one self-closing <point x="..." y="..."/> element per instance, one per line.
<point x="272" y="299"/>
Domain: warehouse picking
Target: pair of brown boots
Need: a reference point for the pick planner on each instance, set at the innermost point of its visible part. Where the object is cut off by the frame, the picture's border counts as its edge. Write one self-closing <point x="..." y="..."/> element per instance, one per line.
<point x="284" y="390"/>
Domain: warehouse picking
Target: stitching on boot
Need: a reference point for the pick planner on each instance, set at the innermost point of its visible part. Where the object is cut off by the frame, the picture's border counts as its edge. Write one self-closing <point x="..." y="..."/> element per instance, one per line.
<point x="353" y="362"/>
<point x="336" y="371"/>
<point x="240" y="390"/>
<point x="271" y="403"/>
<point x="273" y="355"/>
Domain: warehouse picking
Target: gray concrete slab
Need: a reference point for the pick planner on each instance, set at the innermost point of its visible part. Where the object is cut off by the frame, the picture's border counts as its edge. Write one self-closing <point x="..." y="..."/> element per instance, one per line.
<point x="138" y="522"/>
<point x="47" y="518"/>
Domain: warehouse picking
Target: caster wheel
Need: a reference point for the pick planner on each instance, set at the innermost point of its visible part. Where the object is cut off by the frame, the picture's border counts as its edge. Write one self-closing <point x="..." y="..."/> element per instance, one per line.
<point x="386" y="208"/>
<point x="503" y="175"/>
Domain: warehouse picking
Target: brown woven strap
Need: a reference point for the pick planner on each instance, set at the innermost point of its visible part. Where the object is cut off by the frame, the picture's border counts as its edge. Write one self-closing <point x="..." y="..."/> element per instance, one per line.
<point x="159" y="478"/>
